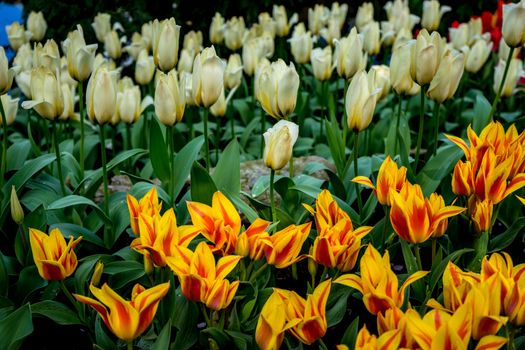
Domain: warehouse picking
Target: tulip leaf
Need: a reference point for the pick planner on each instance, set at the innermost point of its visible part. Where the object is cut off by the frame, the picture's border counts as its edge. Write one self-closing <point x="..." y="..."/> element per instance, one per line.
<point x="481" y="113"/>
<point x="17" y="154"/>
<point x="240" y="340"/>
<point x="227" y="173"/>
<point x="158" y="152"/>
<point x="101" y="337"/>
<point x="184" y="318"/>
<point x="55" y="311"/>
<point x="76" y="231"/>
<point x="183" y="163"/>
<point x="337" y="147"/>
<point x="202" y="186"/>
<point x="251" y="129"/>
<point x="237" y="201"/>
<point x="505" y="239"/>
<point x="350" y="335"/>
<point x="28" y="281"/>
<point x="218" y="335"/>
<point x="336" y="304"/>
<point x="74" y="200"/>
<point x="163" y="339"/>
<point x="15" y="327"/>
<point x="437" y="271"/>
<point x="4" y="277"/>
<point x="411" y="266"/>
<point x="437" y="167"/>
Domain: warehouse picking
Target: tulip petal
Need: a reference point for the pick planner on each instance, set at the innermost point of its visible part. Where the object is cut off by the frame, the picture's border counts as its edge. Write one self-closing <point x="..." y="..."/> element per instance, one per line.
<point x="352" y="281"/>
<point x="225" y="265"/>
<point x="460" y="143"/>
<point x="365" y="181"/>
<point x="491" y="342"/>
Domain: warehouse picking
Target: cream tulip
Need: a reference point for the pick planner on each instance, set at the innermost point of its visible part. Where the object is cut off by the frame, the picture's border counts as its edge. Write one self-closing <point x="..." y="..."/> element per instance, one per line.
<point x="192" y="41"/>
<point x="17" y="35"/>
<point x="446" y="80"/>
<point x="278" y="144"/>
<point x="137" y="45"/>
<point x="129" y="105"/>
<point x="6" y="74"/>
<point x="514" y="74"/>
<point x="262" y="65"/>
<point x="252" y="52"/>
<point x="267" y="24"/>
<point x="218" y="109"/>
<point x="37" y="25"/>
<point x="46" y="94"/>
<point x="365" y="15"/>
<point x="165" y="43"/>
<point x="322" y="63"/>
<point x="10" y="106"/>
<point x="360" y="102"/>
<point x="233" y="72"/>
<point x="432" y="13"/>
<point x="477" y="55"/>
<point x="112" y="45"/>
<point x="338" y="14"/>
<point x="186" y="86"/>
<point x="513" y="29"/>
<point x="234" y="33"/>
<point x="208" y="77"/>
<point x="459" y="36"/>
<point x="23" y="81"/>
<point x="144" y="68"/>
<point x="68" y="96"/>
<point x="170" y="99"/>
<point x="425" y="56"/>
<point x="399" y="15"/>
<point x="282" y="25"/>
<point x="217" y="29"/>
<point x="504" y="50"/>
<point x="349" y="55"/>
<point x="101" y="95"/>
<point x="400" y="77"/>
<point x="80" y="57"/>
<point x="24" y="57"/>
<point x="185" y="61"/>
<point x="65" y="78"/>
<point x="332" y="32"/>
<point x="317" y="18"/>
<point x="277" y="89"/>
<point x="379" y="77"/>
<point x="301" y="44"/>
<point x="101" y="25"/>
<point x="147" y="34"/>
<point x="402" y="37"/>
<point x="475" y="30"/>
<point x="371" y="40"/>
<point x="47" y="55"/>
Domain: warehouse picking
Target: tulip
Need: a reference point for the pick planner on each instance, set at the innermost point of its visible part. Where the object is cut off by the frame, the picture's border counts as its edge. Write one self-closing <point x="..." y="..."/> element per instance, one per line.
<point x="202" y="279"/>
<point x="192" y="41"/>
<point x="349" y="55"/>
<point x="147" y="34"/>
<point x="432" y="13"/>
<point x="378" y="283"/>
<point x="317" y="18"/>
<point x="400" y="77"/>
<point x="46" y="94"/>
<point x="504" y="51"/>
<point x="389" y="177"/>
<point x="321" y="60"/>
<point x="456" y="286"/>
<point x="47" y="56"/>
<point x="266" y="24"/>
<point x="365" y="15"/>
<point x="148" y="205"/>
<point x="514" y="73"/>
<point x="220" y="223"/>
<point x="459" y="36"/>
<point x="17" y="213"/>
<point x="360" y="102"/>
<point x="80" y="57"/>
<point x="253" y="241"/>
<point x="17" y="35"/>
<point x="301" y="44"/>
<point x="425" y="57"/>
<point x="396" y="320"/>
<point x="165" y="43"/>
<point x="208" y="75"/>
<point x="371" y="42"/>
<point x="233" y="72"/>
<point x="279" y="141"/>
<point x="97" y="274"/>
<point x="463" y="179"/>
<point x="101" y="96"/>
<point x="332" y="32"/>
<point x="282" y="25"/>
<point x="129" y="105"/>
<point x="102" y="25"/>
<point x="389" y="37"/>
<point x="24" y="57"/>
<point x="217" y="29"/>
<point x="218" y="109"/>
<point x="137" y="45"/>
<point x="446" y="80"/>
<point x="481" y="214"/>
<point x="6" y="74"/>
<point x="169" y="99"/>
<point x="234" y="33"/>
<point x="252" y="51"/>
<point x="144" y="68"/>
<point x="387" y="341"/>
<point x="112" y="45"/>
<point x="514" y="24"/>
<point x="37" y="25"/>
<point x="126" y="319"/>
<point x="379" y="76"/>
<point x="284" y="246"/>
<point x="10" y="106"/>
<point x="399" y="15"/>
<point x="54" y="259"/>
<point x="68" y="96"/>
<point x="402" y="37"/>
<point x="477" y="55"/>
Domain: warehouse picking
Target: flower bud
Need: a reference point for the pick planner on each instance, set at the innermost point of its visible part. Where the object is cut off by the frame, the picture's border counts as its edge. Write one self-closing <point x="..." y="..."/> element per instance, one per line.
<point x="514" y="24"/>
<point x="217" y="29"/>
<point x="322" y="63"/>
<point x="170" y="99"/>
<point x="165" y="36"/>
<point x="432" y="13"/>
<point x="6" y="73"/>
<point x="17" y="213"/>
<point x="446" y="81"/>
<point x="477" y="55"/>
<point x="371" y="42"/>
<point x="112" y="45"/>
<point x="37" y="25"/>
<point x="400" y="77"/>
<point x="301" y="44"/>
<point x="277" y="88"/>
<point x="379" y="77"/>
<point x="360" y="102"/>
<point x="278" y="144"/>
<point x="233" y="72"/>
<point x="17" y="35"/>
<point x="101" y="96"/>
<point x="513" y="75"/>
<point x="129" y="105"/>
<point x="10" y="106"/>
<point x="208" y="77"/>
<point x="481" y="214"/>
<point x="97" y="274"/>
<point x="365" y="15"/>
<point x="144" y="68"/>
<point x="46" y="94"/>
<point x="349" y="55"/>
<point x="80" y="57"/>
<point x="234" y="33"/>
<point x="102" y="25"/>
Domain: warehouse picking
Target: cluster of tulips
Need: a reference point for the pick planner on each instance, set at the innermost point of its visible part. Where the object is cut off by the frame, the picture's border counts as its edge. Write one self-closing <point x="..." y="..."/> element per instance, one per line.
<point x="391" y="252"/>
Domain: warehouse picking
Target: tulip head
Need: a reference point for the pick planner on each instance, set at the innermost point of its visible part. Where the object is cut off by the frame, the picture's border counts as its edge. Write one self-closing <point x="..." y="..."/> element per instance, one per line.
<point x="481" y="214"/>
<point x="432" y="13"/>
<point x="68" y="96"/>
<point x="144" y="68"/>
<point x="301" y="44"/>
<point x="513" y="75"/>
<point x="279" y="141"/>
<point x="379" y="77"/>
<point x="170" y="100"/>
<point x="365" y="15"/>
<point x="101" y="25"/>
<point x="349" y="55"/>
<point x="446" y="80"/>
<point x="46" y="94"/>
<point x="360" y="102"/>
<point x="47" y="55"/>
<point x="234" y="33"/>
<point x="112" y="45"/>
<point x="271" y="324"/>
<point x="101" y="95"/>
<point x="477" y="55"/>
<point x="37" y="25"/>
<point x="514" y="24"/>
<point x="165" y="43"/>
<point x="17" y="35"/>
<point x="371" y="42"/>
<point x="80" y="57"/>
<point x="129" y="105"/>
<point x="400" y="76"/>
<point x="459" y="36"/>
<point x="425" y="56"/>
<point x="321" y="60"/>
<point x="217" y="29"/>
<point x="10" y="106"/>
<point x="233" y="72"/>
<point x="6" y="74"/>
<point x="17" y="213"/>
<point x="284" y="246"/>
<point x="208" y="77"/>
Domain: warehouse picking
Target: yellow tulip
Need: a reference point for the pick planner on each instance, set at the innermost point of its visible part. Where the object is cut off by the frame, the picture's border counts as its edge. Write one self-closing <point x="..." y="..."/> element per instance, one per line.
<point x="446" y="80"/>
<point x="253" y="241"/>
<point x="170" y="101"/>
<point x="101" y="25"/>
<point x="97" y="274"/>
<point x="46" y="94"/>
<point x="365" y="15"/>
<point x="278" y="144"/>
<point x="208" y="77"/>
<point x="165" y="43"/>
<point x="387" y="341"/>
<point x="481" y="214"/>
<point x="217" y="29"/>
<point x="37" y="25"/>
<point x="321" y="60"/>
<point x="54" y="259"/>
<point x="360" y="102"/>
<point x="80" y="57"/>
<point x="148" y="205"/>
<point x="349" y="55"/>
<point x="10" y="106"/>
<point x="283" y="247"/>
<point x="126" y="319"/>
<point x="101" y="95"/>
<point x="513" y="29"/>
<point x="17" y="35"/>
<point x="432" y="13"/>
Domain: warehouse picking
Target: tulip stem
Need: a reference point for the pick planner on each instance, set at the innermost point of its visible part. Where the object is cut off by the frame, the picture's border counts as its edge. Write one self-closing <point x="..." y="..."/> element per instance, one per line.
<point x="385" y="224"/>
<point x="501" y="84"/>
<point x="510" y="332"/>
<point x="272" y="199"/>
<point x="81" y="110"/>
<point x="4" y="144"/>
<point x="206" y="316"/>
<point x="322" y="345"/>
<point x="217" y="138"/>
<point x="68" y="294"/>
<point x="437" y="108"/>
<point x="57" y="151"/>
<point x="259" y="271"/>
<point x="104" y="169"/>
<point x="130" y="345"/>
<point x="398" y="121"/>
<point x="418" y="257"/>
<point x="206" y="141"/>
<point x="481" y="243"/>
<point x="128" y="144"/>
<point x="171" y="186"/>
<point x="356" y="171"/>
<point x="421" y="127"/>
<point x="434" y="250"/>
<point x="263" y="126"/>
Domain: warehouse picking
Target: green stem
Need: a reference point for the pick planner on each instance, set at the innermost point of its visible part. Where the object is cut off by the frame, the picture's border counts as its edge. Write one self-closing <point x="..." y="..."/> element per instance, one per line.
<point x="232" y="123"/>
<point x="4" y="144"/>
<point x="398" y="121"/>
<point x="145" y="130"/>
<point x="130" y="345"/>
<point x="481" y="243"/>
<point x="68" y="294"/>
<point x="172" y="163"/>
<point x="57" y="151"/>
<point x="290" y="167"/>
<point x="322" y="345"/>
<point x="356" y="171"/>
<point x="501" y="84"/>
<point x="345" y="121"/>
<point x="510" y="335"/>
<point x="259" y="271"/>
<point x="436" y="120"/>
<point x="104" y="169"/>
<point x="128" y="144"/>
<point x="272" y="199"/>
<point x="418" y="258"/>
<point x="206" y="141"/>
<point x="421" y="127"/>
<point x="434" y="250"/>
<point x="81" y="110"/>
<point x="217" y="138"/>
<point x="263" y="127"/>
<point x="205" y="314"/>
<point x="385" y="224"/>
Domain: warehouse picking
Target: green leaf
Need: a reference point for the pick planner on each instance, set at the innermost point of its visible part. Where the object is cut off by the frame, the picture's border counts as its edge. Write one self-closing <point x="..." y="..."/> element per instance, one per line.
<point x="17" y="154"/>
<point x="76" y="231"/>
<point x="336" y="304"/>
<point x="505" y="239"/>
<point x="74" y="200"/>
<point x="438" y="167"/>
<point x="185" y="318"/>
<point x="437" y="271"/>
<point x="202" y="185"/>
<point x="350" y="335"/>
<point x="55" y="311"/>
<point x="227" y="173"/>
<point x="4" y="278"/>
<point x="242" y="206"/>
<point x="481" y="113"/>
<point x="158" y="152"/>
<point x="183" y="162"/>
<point x="28" y="281"/>
<point x="15" y="327"/>
<point x="337" y="147"/>
<point x="101" y="337"/>
<point x="163" y="339"/>
<point x="411" y="265"/>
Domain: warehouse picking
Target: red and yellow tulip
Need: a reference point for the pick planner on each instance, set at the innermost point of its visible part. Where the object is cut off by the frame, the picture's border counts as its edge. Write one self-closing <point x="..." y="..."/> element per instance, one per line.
<point x="54" y="259"/>
<point x="378" y="283"/>
<point x="395" y="319"/>
<point x="387" y="341"/>
<point x="252" y="241"/>
<point x="148" y="205"/>
<point x="202" y="279"/>
<point x="126" y="319"/>
<point x="283" y="247"/>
